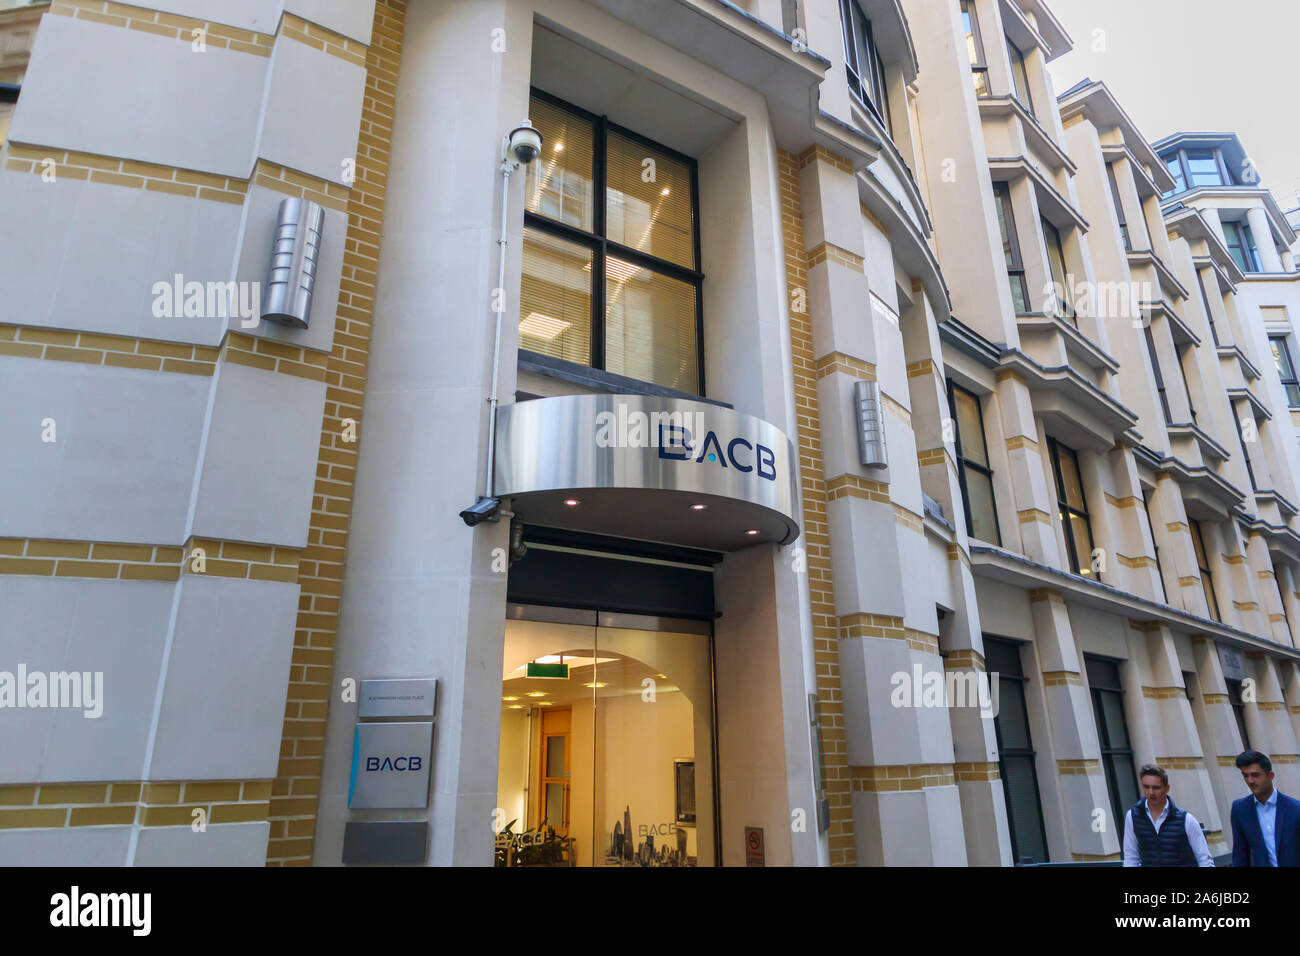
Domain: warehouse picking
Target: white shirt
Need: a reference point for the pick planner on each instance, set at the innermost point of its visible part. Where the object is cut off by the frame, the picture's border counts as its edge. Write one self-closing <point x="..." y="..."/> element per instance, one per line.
<point x="1267" y="814"/>
<point x="1194" y="836"/>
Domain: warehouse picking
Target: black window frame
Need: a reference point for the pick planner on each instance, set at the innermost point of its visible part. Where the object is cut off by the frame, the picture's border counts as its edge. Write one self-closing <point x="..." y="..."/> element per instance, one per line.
<point x="1066" y="511"/>
<point x="602" y="247"/>
<point x="1182" y="357"/>
<point x="1029" y="753"/>
<point x="1282" y="356"/>
<point x="1209" y="313"/>
<point x="1155" y="545"/>
<point x="1203" y="566"/>
<point x="1016" y="267"/>
<point x="1016" y="56"/>
<point x="1245" y="455"/>
<point x="1238" y="709"/>
<point x="979" y="66"/>
<point x="1161" y="389"/>
<point x="1099" y="684"/>
<point x="877" y="85"/>
<point x="1119" y="207"/>
<point x="1054" y="246"/>
<point x="1180" y="168"/>
<point x="963" y="463"/>
<point x="1241" y="246"/>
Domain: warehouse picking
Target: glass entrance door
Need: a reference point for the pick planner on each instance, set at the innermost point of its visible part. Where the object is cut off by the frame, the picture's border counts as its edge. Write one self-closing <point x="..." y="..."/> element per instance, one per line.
<point x="607" y="749"/>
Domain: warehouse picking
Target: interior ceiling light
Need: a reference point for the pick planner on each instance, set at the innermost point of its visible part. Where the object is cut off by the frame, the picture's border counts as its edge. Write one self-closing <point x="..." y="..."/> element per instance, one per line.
<point x="508" y="699"/>
<point x="752" y="531"/>
<point x="698" y="507"/>
<point x="571" y="502"/>
<point x="537" y="693"/>
<point x="541" y="326"/>
<point x="595" y="684"/>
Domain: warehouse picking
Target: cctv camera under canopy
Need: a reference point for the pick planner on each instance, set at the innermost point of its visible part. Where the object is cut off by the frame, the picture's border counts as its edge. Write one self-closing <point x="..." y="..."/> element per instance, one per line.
<point x="525" y="143"/>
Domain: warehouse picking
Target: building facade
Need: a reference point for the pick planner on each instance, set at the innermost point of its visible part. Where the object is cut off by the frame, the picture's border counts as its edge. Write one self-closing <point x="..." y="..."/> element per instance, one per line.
<point x="818" y="443"/>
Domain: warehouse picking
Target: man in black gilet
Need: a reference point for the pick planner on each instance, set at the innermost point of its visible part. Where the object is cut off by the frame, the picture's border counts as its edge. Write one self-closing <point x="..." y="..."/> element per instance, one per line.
<point x="1158" y="833"/>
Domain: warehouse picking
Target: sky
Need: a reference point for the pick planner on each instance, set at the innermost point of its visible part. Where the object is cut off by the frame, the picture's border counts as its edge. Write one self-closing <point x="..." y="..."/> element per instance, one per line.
<point x="1206" y="65"/>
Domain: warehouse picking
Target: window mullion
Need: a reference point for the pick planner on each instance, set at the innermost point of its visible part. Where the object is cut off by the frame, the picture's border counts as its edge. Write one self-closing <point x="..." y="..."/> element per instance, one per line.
<point x="598" y="268"/>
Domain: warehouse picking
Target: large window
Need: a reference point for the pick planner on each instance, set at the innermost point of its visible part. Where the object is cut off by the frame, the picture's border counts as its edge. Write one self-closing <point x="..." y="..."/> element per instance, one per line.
<point x="1112" y="733"/>
<point x="1197" y="167"/>
<point x="1159" y="376"/>
<point x="1016" y="753"/>
<point x="1285" y="368"/>
<point x="1064" y="302"/>
<point x="1011" y="247"/>
<point x="611" y="251"/>
<point x="1151" y="526"/>
<point x="1185" y="356"/>
<point x="862" y="60"/>
<point x="973" y="469"/>
<point x="1238" y="710"/>
<point x="1119" y="207"/>
<point x="1020" y="75"/>
<point x="624" y="779"/>
<point x="1203" y="166"/>
<point x="1203" y="565"/>
<point x="1175" y="165"/>
<point x="975" y="48"/>
<point x="1245" y="455"/>
<point x="1241" y="244"/>
<point x="1073" y="508"/>
<point x="1209" y="315"/>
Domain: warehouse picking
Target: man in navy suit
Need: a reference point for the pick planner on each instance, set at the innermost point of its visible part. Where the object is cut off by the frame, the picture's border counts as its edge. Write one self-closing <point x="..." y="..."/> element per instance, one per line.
<point x="1266" y="824"/>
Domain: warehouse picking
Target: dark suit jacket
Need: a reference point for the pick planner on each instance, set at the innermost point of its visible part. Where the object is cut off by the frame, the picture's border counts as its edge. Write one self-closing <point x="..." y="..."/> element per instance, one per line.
<point x="1248" y="847"/>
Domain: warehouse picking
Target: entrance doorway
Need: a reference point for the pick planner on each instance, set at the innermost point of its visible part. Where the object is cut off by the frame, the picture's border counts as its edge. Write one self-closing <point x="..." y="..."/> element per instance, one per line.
<point x="607" y="740"/>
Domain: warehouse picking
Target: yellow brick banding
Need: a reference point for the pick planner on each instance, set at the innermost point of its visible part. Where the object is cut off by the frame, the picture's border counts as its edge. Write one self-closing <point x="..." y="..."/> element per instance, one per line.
<point x="1129" y="502"/>
<point x="819" y="152"/>
<point x="216" y="35"/>
<point x="894" y="779"/>
<point x="852" y="486"/>
<point x="969" y="772"/>
<point x="1177" y="526"/>
<point x="25" y="806"/>
<point x="1228" y="761"/>
<point x="964" y="658"/>
<point x="933" y="456"/>
<point x="88" y="348"/>
<point x="1095" y="857"/>
<point x="1062" y="678"/>
<point x="1181" y="763"/>
<point x="1273" y="705"/>
<point x="1246" y="605"/>
<point x="839" y="362"/>
<point x="1285" y="758"/>
<point x="1189" y="581"/>
<point x="1021" y="441"/>
<point x="827" y="252"/>
<point x="909" y="519"/>
<point x="290" y="182"/>
<point x="1078" y="766"/>
<point x="146" y="562"/>
<point x="1141" y="561"/>
<point x="272" y="356"/>
<point x="1163" y="693"/>
<point x="955" y="553"/>
<point x="923" y="367"/>
<point x="1045" y="594"/>
<point x="1034" y="514"/>
<point x="293" y="793"/>
<point x="231" y="559"/>
<point x="1214" y="698"/>
<point x="316" y="36"/>
<point x="1008" y="375"/>
<point x="117" y="171"/>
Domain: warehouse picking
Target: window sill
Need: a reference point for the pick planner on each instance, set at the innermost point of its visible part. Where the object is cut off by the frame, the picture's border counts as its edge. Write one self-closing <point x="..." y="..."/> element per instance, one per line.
<point x="600" y="380"/>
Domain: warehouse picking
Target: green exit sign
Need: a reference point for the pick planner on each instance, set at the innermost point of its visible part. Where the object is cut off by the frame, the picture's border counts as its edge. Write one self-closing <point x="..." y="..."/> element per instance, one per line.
<point x="559" y="671"/>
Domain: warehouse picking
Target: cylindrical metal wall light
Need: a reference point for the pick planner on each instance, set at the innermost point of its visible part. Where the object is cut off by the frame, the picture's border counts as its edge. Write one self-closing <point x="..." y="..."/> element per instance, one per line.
<point x="294" y="253"/>
<point x="870" y="416"/>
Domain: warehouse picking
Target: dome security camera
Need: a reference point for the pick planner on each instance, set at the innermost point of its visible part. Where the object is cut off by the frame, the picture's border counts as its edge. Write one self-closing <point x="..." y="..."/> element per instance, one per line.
<point x="524" y="143"/>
